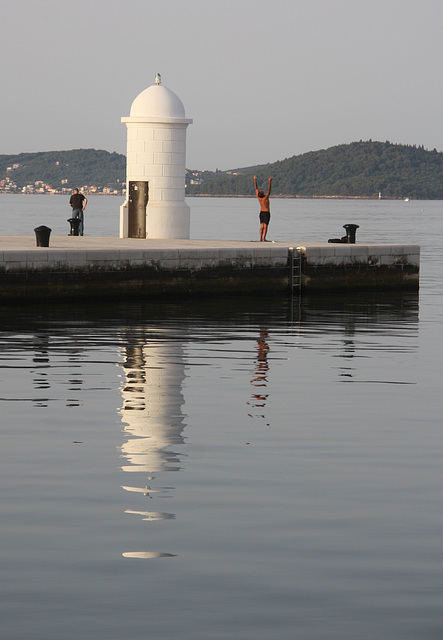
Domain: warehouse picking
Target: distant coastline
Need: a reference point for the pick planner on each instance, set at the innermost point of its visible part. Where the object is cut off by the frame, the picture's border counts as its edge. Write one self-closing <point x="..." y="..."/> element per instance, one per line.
<point x="359" y="170"/>
<point x="228" y="196"/>
<point x="290" y="197"/>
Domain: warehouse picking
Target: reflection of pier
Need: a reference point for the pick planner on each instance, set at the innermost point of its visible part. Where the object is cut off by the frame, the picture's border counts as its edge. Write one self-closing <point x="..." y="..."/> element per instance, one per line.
<point x="259" y="379"/>
<point x="355" y="322"/>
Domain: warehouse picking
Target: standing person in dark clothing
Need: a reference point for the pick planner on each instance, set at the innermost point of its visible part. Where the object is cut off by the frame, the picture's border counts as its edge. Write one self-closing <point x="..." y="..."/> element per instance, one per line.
<point x="265" y="212"/>
<point x="78" y="203"/>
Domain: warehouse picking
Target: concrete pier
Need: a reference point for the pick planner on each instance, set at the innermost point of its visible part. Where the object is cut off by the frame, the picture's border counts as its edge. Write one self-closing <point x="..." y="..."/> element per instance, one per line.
<point x="76" y="267"/>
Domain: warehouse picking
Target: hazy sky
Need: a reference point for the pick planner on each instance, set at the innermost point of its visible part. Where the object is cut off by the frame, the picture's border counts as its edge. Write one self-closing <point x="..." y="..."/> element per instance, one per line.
<point x="262" y="80"/>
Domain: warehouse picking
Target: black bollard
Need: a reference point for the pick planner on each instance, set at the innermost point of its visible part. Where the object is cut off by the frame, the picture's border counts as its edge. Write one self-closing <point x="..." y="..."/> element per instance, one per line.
<point x="75" y="226"/>
<point x="351" y="230"/>
<point x="42" y="236"/>
<point x="349" y="238"/>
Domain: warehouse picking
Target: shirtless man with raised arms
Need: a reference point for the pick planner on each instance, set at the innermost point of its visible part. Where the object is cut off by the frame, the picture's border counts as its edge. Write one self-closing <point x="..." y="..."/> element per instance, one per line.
<point x="265" y="213"/>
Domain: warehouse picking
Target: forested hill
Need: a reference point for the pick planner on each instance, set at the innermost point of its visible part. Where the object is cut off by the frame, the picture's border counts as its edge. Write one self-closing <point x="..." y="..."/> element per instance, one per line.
<point x="65" y="169"/>
<point x="359" y="169"/>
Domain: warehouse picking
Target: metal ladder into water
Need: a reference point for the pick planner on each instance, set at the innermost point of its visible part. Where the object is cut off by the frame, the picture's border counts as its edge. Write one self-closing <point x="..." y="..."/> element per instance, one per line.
<point x="295" y="266"/>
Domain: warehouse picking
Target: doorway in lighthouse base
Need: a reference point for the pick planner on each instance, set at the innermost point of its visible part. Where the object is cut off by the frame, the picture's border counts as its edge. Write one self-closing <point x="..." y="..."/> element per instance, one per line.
<point x="137" y="202"/>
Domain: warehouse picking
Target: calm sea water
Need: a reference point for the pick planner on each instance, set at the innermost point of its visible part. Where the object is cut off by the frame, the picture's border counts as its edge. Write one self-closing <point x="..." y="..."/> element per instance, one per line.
<point x="240" y="468"/>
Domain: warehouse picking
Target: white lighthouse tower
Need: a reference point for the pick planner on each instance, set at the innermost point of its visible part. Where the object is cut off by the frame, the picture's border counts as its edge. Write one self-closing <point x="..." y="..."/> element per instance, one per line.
<point x="155" y="167"/>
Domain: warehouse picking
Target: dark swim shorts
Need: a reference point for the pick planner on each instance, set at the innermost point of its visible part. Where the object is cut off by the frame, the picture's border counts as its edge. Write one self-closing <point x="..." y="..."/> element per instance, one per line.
<point x="265" y="216"/>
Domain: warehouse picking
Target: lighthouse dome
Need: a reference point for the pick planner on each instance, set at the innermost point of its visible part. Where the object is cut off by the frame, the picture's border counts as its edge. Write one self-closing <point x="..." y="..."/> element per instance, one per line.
<point x="157" y="102"/>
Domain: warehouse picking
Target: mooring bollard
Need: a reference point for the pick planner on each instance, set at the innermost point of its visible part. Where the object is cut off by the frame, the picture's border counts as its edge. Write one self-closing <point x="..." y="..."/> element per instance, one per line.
<point x="75" y="226"/>
<point x="42" y="236"/>
<point x="349" y="238"/>
<point x="351" y="231"/>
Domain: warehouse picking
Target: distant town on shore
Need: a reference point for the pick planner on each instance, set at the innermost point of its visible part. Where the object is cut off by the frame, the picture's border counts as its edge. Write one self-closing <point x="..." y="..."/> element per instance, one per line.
<point x="364" y="169"/>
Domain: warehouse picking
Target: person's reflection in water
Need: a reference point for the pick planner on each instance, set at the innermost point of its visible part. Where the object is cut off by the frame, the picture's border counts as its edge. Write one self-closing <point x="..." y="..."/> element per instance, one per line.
<point x="41" y="365"/>
<point x="259" y="379"/>
<point x="152" y="412"/>
<point x="43" y="369"/>
<point x="349" y="350"/>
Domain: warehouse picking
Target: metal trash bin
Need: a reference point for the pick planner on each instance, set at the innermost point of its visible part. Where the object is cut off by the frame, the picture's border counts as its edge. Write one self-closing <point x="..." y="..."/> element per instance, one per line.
<point x="75" y="226"/>
<point x="42" y="236"/>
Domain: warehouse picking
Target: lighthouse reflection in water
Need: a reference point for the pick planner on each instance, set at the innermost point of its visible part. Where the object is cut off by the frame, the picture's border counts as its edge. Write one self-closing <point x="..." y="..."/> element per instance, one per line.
<point x="153" y="423"/>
